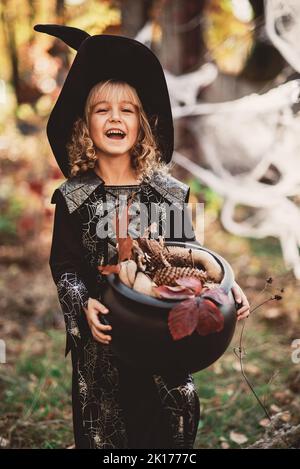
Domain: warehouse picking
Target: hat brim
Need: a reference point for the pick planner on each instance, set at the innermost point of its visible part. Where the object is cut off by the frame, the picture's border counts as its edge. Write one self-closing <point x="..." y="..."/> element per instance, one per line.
<point x="103" y="57"/>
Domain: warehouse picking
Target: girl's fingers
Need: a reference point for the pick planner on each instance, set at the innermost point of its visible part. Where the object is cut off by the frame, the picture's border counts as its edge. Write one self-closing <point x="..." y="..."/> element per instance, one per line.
<point x="94" y="317"/>
<point x="242" y="316"/>
<point x="241" y="299"/>
<point x="237" y="293"/>
<point x="100" y="308"/>
<point x="245" y="299"/>
<point x="99" y="326"/>
<point x="100" y="337"/>
<point x="243" y="310"/>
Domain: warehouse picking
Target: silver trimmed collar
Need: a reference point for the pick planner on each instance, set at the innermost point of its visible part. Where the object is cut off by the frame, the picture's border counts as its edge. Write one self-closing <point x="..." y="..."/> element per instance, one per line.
<point x="78" y="188"/>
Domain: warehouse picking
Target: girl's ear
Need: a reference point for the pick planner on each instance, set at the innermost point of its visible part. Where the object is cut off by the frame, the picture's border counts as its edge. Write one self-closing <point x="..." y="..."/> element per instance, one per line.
<point x="73" y="37"/>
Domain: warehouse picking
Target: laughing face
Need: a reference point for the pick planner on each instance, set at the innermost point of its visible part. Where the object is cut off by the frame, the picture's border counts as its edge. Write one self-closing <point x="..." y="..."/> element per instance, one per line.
<point x="113" y="120"/>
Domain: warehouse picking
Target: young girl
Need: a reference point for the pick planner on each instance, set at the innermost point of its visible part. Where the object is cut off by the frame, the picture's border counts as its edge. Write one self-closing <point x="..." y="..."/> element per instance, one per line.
<point x="119" y="142"/>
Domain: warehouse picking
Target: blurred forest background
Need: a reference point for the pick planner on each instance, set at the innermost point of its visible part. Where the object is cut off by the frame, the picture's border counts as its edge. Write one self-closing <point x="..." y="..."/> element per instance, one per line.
<point x="35" y="380"/>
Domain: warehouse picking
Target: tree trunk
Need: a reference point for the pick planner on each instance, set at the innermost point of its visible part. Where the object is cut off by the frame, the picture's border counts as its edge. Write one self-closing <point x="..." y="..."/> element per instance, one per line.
<point x="134" y="15"/>
<point x="60" y="10"/>
<point x="10" y="40"/>
<point x="182" y="47"/>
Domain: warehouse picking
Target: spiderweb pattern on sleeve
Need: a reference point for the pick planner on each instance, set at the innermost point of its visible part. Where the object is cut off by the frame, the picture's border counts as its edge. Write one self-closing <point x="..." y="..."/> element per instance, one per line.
<point x="73" y="296"/>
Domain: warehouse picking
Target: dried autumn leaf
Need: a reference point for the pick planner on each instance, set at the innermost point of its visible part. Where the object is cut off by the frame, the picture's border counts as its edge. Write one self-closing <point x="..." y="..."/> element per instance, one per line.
<point x="275" y="408"/>
<point x="176" y="293"/>
<point x="125" y="248"/>
<point x="210" y="318"/>
<point x="286" y="416"/>
<point x="191" y="282"/>
<point x="183" y="319"/>
<point x="3" y="442"/>
<point x="225" y="445"/>
<point x="124" y="243"/>
<point x="238" y="438"/>
<point x="109" y="269"/>
<point x="264" y="422"/>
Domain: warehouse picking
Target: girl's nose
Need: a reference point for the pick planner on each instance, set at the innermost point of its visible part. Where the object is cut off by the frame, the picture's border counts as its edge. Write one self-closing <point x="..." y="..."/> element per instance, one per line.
<point x="114" y="118"/>
<point x="115" y="114"/>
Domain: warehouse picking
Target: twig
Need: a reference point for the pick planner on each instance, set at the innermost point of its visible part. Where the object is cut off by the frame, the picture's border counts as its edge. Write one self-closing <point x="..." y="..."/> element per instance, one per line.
<point x="240" y="352"/>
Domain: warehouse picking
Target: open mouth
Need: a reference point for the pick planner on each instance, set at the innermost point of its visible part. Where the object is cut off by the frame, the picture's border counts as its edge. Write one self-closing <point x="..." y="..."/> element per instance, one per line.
<point x="115" y="134"/>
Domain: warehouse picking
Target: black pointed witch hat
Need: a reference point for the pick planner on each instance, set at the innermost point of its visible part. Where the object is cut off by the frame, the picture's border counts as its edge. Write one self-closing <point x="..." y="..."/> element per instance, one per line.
<point x="102" y="57"/>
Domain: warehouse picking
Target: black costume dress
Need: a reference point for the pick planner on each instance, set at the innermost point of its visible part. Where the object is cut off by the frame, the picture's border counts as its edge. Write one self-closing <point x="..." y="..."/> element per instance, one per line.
<point x="114" y="406"/>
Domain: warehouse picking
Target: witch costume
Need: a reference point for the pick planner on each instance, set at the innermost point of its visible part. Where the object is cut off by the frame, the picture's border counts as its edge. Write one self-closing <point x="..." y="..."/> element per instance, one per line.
<point x="114" y="405"/>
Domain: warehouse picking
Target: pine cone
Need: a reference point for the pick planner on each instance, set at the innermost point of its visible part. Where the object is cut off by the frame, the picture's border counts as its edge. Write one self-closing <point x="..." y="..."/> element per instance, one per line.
<point x="178" y="256"/>
<point x="158" y="261"/>
<point x="169" y="275"/>
<point x="154" y="250"/>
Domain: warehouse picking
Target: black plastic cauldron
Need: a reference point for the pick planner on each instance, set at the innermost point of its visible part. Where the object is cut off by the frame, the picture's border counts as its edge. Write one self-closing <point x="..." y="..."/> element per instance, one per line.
<point x="140" y="333"/>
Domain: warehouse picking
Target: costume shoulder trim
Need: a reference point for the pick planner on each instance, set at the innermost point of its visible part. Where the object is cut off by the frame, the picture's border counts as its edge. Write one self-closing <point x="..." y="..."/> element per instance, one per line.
<point x="172" y="189"/>
<point x="77" y="189"/>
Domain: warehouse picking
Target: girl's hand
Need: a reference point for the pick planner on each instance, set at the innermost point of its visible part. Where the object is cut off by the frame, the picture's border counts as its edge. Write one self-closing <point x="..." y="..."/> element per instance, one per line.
<point x="97" y="329"/>
<point x="240" y="298"/>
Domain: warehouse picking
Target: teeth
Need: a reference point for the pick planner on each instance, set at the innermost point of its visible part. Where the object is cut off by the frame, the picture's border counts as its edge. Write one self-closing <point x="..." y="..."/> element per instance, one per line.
<point x="112" y="132"/>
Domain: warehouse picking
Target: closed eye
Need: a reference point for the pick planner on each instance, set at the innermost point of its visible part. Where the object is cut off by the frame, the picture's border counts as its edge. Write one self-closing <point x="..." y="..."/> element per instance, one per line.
<point x="105" y="110"/>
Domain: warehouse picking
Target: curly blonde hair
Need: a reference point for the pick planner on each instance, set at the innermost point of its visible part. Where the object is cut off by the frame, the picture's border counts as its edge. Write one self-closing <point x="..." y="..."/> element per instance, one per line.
<point x="145" y="155"/>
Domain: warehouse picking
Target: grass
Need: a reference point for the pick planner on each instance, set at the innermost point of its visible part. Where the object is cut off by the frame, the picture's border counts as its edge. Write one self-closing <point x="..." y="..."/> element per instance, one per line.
<point x="227" y="404"/>
<point x="36" y="394"/>
<point x="36" y="391"/>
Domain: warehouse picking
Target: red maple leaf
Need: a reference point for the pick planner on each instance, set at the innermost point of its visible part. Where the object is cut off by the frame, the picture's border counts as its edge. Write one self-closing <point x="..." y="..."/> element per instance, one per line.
<point x="210" y="318"/>
<point x="198" y="314"/>
<point x="183" y="319"/>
